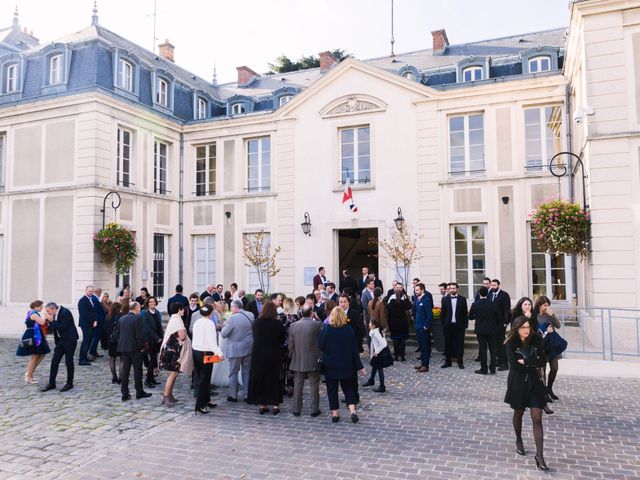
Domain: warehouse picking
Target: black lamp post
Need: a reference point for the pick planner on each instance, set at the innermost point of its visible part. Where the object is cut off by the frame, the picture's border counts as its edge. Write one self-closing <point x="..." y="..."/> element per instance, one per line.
<point x="306" y="225"/>
<point x="114" y="205"/>
<point x="559" y="169"/>
<point x="399" y="220"/>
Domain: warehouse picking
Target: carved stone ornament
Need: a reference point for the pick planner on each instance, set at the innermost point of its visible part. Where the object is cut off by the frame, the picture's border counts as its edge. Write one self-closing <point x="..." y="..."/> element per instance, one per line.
<point x="353" y="105"/>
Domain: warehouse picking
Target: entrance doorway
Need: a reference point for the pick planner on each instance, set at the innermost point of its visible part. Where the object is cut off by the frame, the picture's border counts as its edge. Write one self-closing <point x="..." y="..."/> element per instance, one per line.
<point x="357" y="248"/>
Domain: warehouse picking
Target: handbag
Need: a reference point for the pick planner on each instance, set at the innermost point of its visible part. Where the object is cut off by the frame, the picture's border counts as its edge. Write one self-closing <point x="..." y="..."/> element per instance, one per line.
<point x="386" y="359"/>
<point x="554" y="344"/>
<point x="320" y="363"/>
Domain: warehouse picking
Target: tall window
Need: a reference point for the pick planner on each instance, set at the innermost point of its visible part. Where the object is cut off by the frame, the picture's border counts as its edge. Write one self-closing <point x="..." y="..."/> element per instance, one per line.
<point x="123" y="167"/>
<point x="540" y="64"/>
<point x="259" y="164"/>
<point x="285" y="99"/>
<point x="201" y="111"/>
<point x="543" y="134"/>
<point x="204" y="247"/>
<point x="237" y="108"/>
<point x="2" y="161"/>
<point x="10" y="78"/>
<point x="159" y="264"/>
<point x="55" y="69"/>
<point x="471" y="74"/>
<point x="469" y="257"/>
<point x="160" y="167"/>
<point x="355" y="154"/>
<point x="125" y="75"/>
<point x="548" y="274"/>
<point x="466" y="145"/>
<point x="162" y="92"/>
<point x="206" y="170"/>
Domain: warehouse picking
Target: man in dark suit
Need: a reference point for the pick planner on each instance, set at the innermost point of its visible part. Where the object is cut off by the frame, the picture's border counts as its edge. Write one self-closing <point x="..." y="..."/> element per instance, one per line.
<point x="331" y="291"/>
<point x="243" y="298"/>
<point x="355" y="322"/>
<point x="96" y="333"/>
<point x="503" y="302"/>
<point x="179" y="298"/>
<point x="455" y="319"/>
<point x="348" y="281"/>
<point x="66" y="337"/>
<point x="130" y="347"/>
<point x="211" y="289"/>
<point x="320" y="278"/>
<point x="255" y="305"/>
<point x="88" y="320"/>
<point x="423" y="312"/>
<point x="486" y="282"/>
<point x="377" y="283"/>
<point x="362" y="282"/>
<point x="488" y="321"/>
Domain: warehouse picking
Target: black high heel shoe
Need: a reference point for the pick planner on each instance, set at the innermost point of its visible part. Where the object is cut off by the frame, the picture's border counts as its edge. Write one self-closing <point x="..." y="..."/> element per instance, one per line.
<point x="547" y="410"/>
<point x="116" y="380"/>
<point x="520" y="448"/>
<point x="540" y="464"/>
<point x="551" y="394"/>
<point x="201" y="411"/>
<point x="263" y="410"/>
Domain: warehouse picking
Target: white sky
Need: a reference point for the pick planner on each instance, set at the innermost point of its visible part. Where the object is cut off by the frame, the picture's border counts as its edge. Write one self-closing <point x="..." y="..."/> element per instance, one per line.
<point x="232" y="33"/>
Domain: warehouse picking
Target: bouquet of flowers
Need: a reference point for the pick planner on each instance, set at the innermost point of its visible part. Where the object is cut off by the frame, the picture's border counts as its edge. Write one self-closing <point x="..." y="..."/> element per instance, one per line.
<point x="116" y="246"/>
<point x="436" y="313"/>
<point x="561" y="227"/>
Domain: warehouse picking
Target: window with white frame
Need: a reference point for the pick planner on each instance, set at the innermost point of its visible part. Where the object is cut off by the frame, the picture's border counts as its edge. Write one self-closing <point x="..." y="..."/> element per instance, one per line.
<point x="469" y="257"/>
<point x="548" y="273"/>
<point x="162" y="92"/>
<point x="160" y="152"/>
<point x="2" y="160"/>
<point x="409" y="76"/>
<point x="160" y="263"/>
<point x="543" y="135"/>
<point x="237" y="108"/>
<point x="471" y="74"/>
<point x="123" y="160"/>
<point x="206" y="170"/>
<point x="201" y="111"/>
<point x="204" y="255"/>
<point x="355" y="155"/>
<point x="10" y="80"/>
<point x="253" y="276"/>
<point x="259" y="164"/>
<point x="285" y="99"/>
<point x="541" y="63"/>
<point x="466" y="145"/>
<point x="55" y="69"/>
<point x="125" y="75"/>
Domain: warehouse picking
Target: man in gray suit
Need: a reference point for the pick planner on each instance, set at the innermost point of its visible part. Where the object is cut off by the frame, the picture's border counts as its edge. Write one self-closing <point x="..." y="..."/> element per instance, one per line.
<point x="238" y="330"/>
<point x="303" y="347"/>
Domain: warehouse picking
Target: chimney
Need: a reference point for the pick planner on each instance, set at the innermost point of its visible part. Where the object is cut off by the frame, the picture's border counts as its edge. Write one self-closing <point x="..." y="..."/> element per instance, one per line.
<point x="166" y="50"/>
<point x="440" y="41"/>
<point x="327" y="60"/>
<point x="245" y="75"/>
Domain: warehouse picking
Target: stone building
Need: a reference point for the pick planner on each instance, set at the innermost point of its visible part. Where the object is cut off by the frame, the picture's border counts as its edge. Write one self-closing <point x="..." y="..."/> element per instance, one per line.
<point x="458" y="137"/>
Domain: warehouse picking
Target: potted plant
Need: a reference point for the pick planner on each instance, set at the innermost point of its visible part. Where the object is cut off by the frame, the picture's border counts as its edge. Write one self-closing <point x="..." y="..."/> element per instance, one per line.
<point x="561" y="227"/>
<point x="116" y="246"/>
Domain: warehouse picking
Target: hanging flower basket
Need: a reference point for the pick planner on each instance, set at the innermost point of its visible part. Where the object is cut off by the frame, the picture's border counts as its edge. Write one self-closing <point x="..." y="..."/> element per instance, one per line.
<point x="116" y="246"/>
<point x="561" y="227"/>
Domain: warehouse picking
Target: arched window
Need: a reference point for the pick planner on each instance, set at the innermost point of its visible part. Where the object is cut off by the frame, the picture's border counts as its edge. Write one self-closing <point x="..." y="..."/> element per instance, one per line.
<point x="10" y="78"/>
<point x="162" y="92"/>
<point x="541" y="63"/>
<point x="410" y="76"/>
<point x="56" y="72"/>
<point x="471" y="74"/>
<point x="125" y="75"/>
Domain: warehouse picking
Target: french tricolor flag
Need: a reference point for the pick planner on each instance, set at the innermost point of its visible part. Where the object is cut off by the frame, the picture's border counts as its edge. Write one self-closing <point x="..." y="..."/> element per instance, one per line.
<point x="348" y="197"/>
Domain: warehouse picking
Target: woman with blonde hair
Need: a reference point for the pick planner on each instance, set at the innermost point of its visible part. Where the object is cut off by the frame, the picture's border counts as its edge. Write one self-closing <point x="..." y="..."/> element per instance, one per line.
<point x="340" y="359"/>
<point x="33" y="342"/>
<point x="175" y="352"/>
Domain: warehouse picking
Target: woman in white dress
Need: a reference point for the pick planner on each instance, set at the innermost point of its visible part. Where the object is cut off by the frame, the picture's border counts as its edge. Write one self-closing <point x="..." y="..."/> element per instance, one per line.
<point x="220" y="373"/>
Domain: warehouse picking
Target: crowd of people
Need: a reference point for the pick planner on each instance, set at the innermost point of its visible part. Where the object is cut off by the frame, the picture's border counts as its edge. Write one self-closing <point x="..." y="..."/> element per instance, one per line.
<point x="267" y="347"/>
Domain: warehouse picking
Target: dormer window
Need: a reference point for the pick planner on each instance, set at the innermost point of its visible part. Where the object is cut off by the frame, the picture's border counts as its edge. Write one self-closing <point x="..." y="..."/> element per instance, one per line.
<point x="472" y="74"/>
<point x="201" y="109"/>
<point x="56" y="72"/>
<point x="541" y="63"/>
<point x="10" y="80"/>
<point x="125" y="75"/>
<point x="162" y="92"/>
<point x="285" y="99"/>
<point x="237" y="108"/>
<point x="410" y="76"/>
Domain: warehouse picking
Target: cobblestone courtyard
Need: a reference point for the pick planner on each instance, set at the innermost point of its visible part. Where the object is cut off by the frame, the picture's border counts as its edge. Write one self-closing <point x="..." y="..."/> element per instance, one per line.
<point x="446" y="424"/>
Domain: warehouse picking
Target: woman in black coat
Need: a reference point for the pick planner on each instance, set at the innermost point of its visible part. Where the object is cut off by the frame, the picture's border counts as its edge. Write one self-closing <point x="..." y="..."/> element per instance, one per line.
<point x="265" y="381"/>
<point x="398" y="322"/>
<point x="525" y="388"/>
